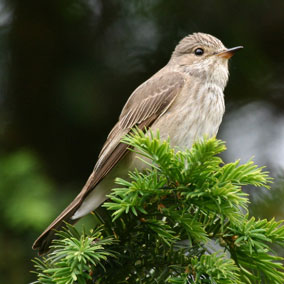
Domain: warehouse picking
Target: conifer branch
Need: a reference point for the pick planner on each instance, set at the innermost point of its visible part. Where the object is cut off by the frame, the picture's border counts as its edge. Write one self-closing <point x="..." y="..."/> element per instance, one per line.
<point x="164" y="221"/>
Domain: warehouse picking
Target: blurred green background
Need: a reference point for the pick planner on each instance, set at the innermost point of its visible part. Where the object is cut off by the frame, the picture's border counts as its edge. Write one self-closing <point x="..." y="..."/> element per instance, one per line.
<point x="68" y="66"/>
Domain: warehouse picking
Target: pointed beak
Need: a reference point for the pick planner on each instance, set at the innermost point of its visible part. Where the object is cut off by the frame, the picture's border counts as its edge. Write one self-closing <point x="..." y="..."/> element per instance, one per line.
<point x="228" y="53"/>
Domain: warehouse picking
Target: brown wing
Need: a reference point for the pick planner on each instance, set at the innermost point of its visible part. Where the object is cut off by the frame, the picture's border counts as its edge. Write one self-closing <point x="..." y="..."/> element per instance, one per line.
<point x="145" y="105"/>
<point x="150" y="99"/>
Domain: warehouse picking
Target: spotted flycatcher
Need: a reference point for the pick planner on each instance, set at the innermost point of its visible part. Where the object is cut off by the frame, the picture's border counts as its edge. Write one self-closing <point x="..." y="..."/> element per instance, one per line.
<point x="184" y="101"/>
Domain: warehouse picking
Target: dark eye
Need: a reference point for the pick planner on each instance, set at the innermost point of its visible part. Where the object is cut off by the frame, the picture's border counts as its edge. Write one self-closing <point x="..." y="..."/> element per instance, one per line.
<point x="199" y="51"/>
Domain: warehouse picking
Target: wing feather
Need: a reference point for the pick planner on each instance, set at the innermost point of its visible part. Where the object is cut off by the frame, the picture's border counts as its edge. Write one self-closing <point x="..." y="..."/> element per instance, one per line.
<point x="144" y="106"/>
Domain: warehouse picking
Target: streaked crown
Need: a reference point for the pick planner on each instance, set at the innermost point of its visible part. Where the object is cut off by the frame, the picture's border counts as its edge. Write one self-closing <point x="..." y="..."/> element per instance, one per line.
<point x="193" y="41"/>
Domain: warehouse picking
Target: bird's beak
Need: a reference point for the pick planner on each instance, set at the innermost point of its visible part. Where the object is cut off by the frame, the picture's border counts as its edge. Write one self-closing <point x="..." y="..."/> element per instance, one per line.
<point x="228" y="53"/>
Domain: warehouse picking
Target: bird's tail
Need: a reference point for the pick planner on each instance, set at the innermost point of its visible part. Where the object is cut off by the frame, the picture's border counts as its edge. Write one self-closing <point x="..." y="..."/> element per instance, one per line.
<point x="43" y="242"/>
<point x="91" y="196"/>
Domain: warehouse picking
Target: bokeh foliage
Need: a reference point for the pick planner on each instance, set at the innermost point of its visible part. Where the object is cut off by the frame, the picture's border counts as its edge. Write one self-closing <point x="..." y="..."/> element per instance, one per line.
<point x="26" y="202"/>
<point x="67" y="67"/>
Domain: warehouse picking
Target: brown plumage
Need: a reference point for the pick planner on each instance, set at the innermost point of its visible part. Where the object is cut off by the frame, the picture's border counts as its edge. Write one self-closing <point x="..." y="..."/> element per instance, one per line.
<point x="184" y="100"/>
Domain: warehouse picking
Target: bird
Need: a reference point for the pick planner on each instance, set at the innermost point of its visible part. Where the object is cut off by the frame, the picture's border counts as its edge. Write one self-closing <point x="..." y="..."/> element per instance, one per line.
<point x="183" y="101"/>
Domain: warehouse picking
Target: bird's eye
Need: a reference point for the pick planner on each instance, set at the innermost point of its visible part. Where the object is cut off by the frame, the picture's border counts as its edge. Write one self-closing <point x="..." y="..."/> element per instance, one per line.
<point x="198" y="51"/>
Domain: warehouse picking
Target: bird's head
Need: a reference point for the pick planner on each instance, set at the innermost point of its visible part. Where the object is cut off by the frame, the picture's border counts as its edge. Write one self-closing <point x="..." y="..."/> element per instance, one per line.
<point x="204" y="56"/>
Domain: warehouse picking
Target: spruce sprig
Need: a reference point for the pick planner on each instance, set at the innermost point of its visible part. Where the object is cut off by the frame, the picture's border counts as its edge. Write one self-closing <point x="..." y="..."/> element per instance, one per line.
<point x="183" y="220"/>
